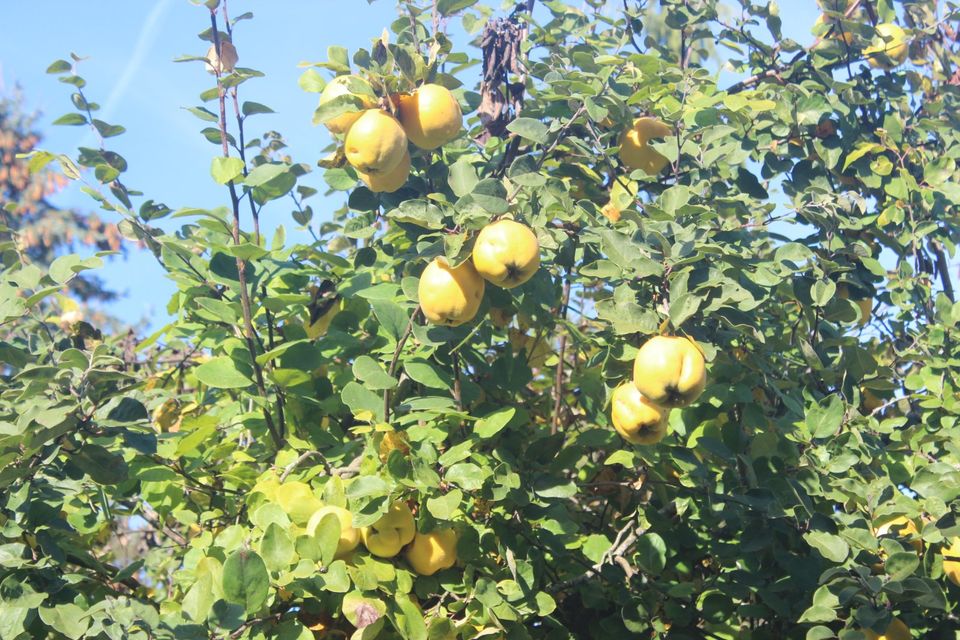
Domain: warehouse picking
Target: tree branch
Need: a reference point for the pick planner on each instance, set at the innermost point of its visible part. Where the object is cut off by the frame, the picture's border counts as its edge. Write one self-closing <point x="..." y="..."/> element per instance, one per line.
<point x="249" y="333"/>
<point x="347" y="471"/>
<point x="943" y="269"/>
<point x="776" y="71"/>
<point x="626" y="538"/>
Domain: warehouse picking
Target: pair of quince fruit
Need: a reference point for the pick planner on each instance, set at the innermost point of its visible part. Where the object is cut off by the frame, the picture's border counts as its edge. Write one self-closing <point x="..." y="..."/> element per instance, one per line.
<point x="375" y="140"/>
<point x="668" y="372"/>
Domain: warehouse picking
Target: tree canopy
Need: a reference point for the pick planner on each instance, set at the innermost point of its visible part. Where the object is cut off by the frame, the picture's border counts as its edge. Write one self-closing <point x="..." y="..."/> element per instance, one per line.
<point x="373" y="433"/>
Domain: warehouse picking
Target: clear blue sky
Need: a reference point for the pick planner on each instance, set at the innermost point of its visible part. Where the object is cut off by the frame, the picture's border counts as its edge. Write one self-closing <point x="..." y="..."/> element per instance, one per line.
<point x="130" y="72"/>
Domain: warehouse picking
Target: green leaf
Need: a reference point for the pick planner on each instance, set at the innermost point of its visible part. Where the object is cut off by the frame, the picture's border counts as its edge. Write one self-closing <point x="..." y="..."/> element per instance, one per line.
<point x="202" y="429"/>
<point x="105" y="173"/>
<point x="59" y="66"/>
<point x="265" y="173"/>
<point x="311" y="81"/>
<point x="683" y="307"/>
<point x="219" y="310"/>
<point x="327" y="536"/>
<point x="367" y="486"/>
<point x="68" y="167"/>
<point x="392" y="317"/>
<point x="525" y="172"/>
<point x="651" y="553"/>
<point x="128" y="410"/>
<point x="418" y="212"/>
<point x="490" y="195"/>
<point x="449" y="7"/>
<point x="101" y="465"/>
<point x="427" y="374"/>
<point x="360" y="400"/>
<point x="530" y="129"/>
<point x="224" y="170"/>
<point x="335" y="579"/>
<point x="628" y="317"/>
<point x="862" y="149"/>
<point x="203" y="113"/>
<point x="338" y="106"/>
<point x="545" y="603"/>
<point x="818" y="613"/>
<point x="823" y="292"/>
<point x="70" y="119"/>
<point x="107" y="130"/>
<point x="595" y="547"/>
<point x="466" y="475"/>
<point x="64" y="268"/>
<point x="250" y="108"/>
<point x="463" y="177"/>
<point x="221" y="373"/>
<point x="445" y="506"/>
<point x="67" y="618"/>
<point x="246" y="251"/>
<point x="11" y="555"/>
<point x="824" y="419"/>
<point x="199" y="598"/>
<point x="621" y="457"/>
<point x="830" y="546"/>
<point x="412" y="625"/>
<point x="901" y="565"/>
<point x="554" y="488"/>
<point x="245" y="580"/>
<point x="276" y="548"/>
<point x="12" y="618"/>
<point x="492" y="423"/>
<point x="628" y="254"/>
<point x="373" y="374"/>
<point x="938" y="480"/>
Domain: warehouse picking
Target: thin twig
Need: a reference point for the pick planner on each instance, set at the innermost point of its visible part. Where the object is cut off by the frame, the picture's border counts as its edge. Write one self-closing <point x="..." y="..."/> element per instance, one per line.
<point x="558" y="378"/>
<point x="457" y="392"/>
<point x="396" y="359"/>
<point x="300" y="460"/>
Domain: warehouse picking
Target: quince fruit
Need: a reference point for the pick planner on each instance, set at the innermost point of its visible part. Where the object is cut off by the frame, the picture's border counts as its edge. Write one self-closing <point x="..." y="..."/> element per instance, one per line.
<point x="896" y="630"/>
<point x="506" y="253"/>
<point x="449" y="295"/>
<point x="375" y="143"/>
<point x="390" y="181"/>
<point x="635" y="149"/>
<point x="637" y="419"/>
<point x="349" y="536"/>
<point x="670" y="371"/>
<point x="951" y="562"/>
<point x="431" y="552"/>
<point x="342" y="86"/>
<point x="430" y="115"/>
<point x="388" y="535"/>
<point x="890" y="47"/>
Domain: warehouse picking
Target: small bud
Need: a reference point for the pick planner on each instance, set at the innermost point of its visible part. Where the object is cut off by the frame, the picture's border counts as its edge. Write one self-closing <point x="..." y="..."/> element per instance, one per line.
<point x="227" y="60"/>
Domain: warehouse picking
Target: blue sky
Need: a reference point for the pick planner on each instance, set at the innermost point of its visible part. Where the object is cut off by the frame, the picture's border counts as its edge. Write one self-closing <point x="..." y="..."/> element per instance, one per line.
<point x="130" y="72"/>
